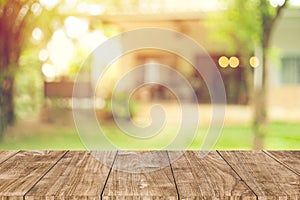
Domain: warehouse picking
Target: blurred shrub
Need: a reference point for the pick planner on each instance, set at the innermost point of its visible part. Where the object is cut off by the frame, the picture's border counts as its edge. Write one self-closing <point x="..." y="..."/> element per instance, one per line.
<point x="120" y="107"/>
<point x="28" y="85"/>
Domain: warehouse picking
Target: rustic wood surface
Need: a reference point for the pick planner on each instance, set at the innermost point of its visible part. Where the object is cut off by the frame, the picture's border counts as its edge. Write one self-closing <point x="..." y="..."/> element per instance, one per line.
<point x="87" y="175"/>
<point x="4" y="155"/>
<point x="78" y="175"/>
<point x="291" y="159"/>
<point x="20" y="173"/>
<point x="265" y="176"/>
<point x="145" y="178"/>
<point x="208" y="177"/>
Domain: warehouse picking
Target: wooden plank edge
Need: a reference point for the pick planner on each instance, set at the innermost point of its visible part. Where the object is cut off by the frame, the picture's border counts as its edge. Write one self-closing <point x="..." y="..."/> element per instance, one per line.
<point x="280" y="162"/>
<point x="108" y="174"/>
<point x="172" y="172"/>
<point x="219" y="152"/>
<point x="65" y="152"/>
<point x="10" y="156"/>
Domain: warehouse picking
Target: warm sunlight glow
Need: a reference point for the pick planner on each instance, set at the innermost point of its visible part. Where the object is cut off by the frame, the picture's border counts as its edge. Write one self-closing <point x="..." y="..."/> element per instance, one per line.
<point x="37" y="34"/>
<point x="93" y="39"/>
<point x="82" y="7"/>
<point x="48" y="70"/>
<point x="295" y="2"/>
<point x="95" y="9"/>
<point x="276" y="3"/>
<point x="43" y="55"/>
<point x="223" y="61"/>
<point x="212" y="5"/>
<point x="76" y="27"/>
<point x="61" y="50"/>
<point x="49" y="4"/>
<point x="234" y="62"/>
<point x="254" y="62"/>
<point x="92" y="9"/>
<point x="36" y="9"/>
<point x="167" y="6"/>
<point x="71" y="2"/>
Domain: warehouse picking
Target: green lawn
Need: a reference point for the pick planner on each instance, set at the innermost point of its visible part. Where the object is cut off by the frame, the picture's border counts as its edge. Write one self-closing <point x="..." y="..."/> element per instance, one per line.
<point x="281" y="136"/>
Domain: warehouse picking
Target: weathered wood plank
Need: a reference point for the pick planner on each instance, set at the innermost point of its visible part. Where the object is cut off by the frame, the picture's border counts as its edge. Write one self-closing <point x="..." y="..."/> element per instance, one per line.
<point x="4" y="155"/>
<point x="19" y="173"/>
<point x="291" y="159"/>
<point x="139" y="175"/>
<point x="266" y="177"/>
<point x="78" y="175"/>
<point x="208" y="177"/>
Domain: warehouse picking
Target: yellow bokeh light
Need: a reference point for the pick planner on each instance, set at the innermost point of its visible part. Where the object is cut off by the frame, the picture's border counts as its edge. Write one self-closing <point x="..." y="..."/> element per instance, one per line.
<point x="48" y="70"/>
<point x="276" y="3"/>
<point x="234" y="62"/>
<point x="254" y="61"/>
<point x="43" y="55"/>
<point x="37" y="34"/>
<point x="223" y="61"/>
<point x="61" y="50"/>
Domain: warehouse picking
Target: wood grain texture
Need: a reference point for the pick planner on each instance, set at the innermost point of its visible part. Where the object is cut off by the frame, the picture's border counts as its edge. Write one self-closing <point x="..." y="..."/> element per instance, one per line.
<point x="290" y="159"/>
<point x="138" y="175"/>
<point x="207" y="177"/>
<point x="4" y="155"/>
<point x="266" y="177"/>
<point x="49" y="175"/>
<point x="78" y="175"/>
<point x="22" y="171"/>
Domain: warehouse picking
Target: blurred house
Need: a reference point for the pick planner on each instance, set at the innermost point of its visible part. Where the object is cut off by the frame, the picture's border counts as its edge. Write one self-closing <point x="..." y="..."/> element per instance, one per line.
<point x="192" y="24"/>
<point x="189" y="19"/>
<point x="284" y="66"/>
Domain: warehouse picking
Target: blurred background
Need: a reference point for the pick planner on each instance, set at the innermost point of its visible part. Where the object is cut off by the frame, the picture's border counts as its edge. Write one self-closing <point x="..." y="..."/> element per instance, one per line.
<point x="255" y="45"/>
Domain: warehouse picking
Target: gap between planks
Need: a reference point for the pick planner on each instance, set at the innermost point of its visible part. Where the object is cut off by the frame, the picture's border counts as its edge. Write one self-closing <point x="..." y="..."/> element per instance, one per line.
<point x="111" y="167"/>
<point x="285" y="160"/>
<point x="237" y="173"/>
<point x="44" y="174"/>
<point x="233" y="160"/>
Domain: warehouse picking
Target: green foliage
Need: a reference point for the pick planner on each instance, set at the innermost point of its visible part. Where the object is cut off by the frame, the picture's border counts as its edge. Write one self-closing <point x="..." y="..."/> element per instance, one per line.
<point x="235" y="27"/>
<point x="18" y="47"/>
<point x="29" y="85"/>
<point x="79" y="62"/>
<point x="242" y="24"/>
<point x="246" y="24"/>
<point x="120" y="102"/>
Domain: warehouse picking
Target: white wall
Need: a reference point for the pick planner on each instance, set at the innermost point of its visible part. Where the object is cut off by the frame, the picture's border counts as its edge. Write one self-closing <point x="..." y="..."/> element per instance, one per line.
<point x="285" y="41"/>
<point x="284" y="100"/>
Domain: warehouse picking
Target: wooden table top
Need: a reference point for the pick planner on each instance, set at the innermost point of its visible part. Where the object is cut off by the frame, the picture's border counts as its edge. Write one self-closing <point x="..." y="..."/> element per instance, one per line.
<point x="218" y="175"/>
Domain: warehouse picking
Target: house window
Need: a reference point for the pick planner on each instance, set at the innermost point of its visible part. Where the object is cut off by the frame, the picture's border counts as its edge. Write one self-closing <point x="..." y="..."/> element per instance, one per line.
<point x="290" y="71"/>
